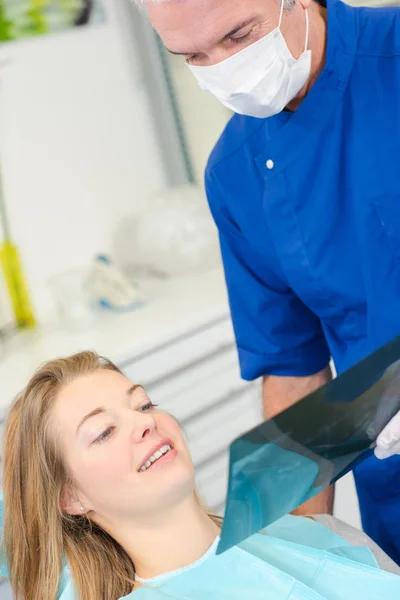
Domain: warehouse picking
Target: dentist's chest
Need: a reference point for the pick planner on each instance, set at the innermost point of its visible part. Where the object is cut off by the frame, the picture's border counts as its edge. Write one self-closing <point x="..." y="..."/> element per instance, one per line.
<point x="328" y="221"/>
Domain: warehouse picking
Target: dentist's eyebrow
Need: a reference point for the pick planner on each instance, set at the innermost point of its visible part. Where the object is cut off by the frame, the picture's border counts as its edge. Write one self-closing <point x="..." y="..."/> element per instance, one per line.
<point x="100" y="409"/>
<point x="236" y="29"/>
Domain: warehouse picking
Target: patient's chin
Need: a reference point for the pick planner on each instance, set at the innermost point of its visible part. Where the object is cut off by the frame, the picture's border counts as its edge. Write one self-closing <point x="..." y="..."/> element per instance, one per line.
<point x="175" y="477"/>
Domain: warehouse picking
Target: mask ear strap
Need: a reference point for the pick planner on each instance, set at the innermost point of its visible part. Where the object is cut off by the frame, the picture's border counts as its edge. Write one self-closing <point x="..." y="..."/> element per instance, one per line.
<point x="307" y="24"/>
<point x="307" y="30"/>
<point x="281" y="13"/>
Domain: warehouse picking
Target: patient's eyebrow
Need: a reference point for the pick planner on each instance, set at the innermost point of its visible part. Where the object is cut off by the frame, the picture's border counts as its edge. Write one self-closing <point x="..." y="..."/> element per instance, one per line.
<point x="100" y="409"/>
<point x="133" y="388"/>
<point x="93" y="413"/>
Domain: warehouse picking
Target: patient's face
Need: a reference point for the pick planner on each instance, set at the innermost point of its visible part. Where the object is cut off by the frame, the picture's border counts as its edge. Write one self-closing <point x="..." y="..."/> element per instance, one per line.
<point x="128" y="459"/>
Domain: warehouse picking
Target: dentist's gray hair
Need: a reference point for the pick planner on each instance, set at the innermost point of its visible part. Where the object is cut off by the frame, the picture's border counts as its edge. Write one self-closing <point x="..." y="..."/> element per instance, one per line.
<point x="144" y="2"/>
<point x="288" y="4"/>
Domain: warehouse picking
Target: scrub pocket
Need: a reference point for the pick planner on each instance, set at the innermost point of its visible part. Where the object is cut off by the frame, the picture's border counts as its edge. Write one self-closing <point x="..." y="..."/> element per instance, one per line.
<point x="388" y="211"/>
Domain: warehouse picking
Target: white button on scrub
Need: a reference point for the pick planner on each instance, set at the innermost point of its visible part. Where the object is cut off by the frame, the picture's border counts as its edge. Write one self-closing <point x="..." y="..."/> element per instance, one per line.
<point x="270" y="164"/>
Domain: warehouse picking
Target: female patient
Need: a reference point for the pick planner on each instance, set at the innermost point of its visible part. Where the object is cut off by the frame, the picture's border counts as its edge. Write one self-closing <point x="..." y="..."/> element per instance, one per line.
<point x="100" y="504"/>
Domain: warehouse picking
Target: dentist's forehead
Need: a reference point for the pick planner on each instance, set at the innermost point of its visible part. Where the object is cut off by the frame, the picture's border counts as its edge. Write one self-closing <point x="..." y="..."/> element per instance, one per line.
<point x="194" y="25"/>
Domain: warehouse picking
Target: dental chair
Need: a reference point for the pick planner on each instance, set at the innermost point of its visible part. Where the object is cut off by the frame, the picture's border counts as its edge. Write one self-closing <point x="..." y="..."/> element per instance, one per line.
<point x="5" y="591"/>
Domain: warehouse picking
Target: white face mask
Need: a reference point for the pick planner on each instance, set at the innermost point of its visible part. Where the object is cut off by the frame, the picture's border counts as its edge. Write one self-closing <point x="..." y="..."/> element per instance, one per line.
<point x="260" y="80"/>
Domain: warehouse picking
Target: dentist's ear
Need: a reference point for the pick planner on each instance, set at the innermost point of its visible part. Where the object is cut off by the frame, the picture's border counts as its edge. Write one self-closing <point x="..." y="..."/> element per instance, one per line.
<point x="70" y="503"/>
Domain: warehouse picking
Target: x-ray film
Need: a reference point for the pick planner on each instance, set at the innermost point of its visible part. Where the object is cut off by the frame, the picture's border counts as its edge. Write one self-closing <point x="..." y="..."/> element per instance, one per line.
<point x="287" y="460"/>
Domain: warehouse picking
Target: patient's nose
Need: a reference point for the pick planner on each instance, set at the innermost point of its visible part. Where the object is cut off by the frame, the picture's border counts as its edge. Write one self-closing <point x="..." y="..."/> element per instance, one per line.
<point x="143" y="425"/>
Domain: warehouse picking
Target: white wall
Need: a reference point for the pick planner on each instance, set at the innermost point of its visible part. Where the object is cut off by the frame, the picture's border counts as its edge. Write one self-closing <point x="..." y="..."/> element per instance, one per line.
<point x="78" y="147"/>
<point x="204" y="118"/>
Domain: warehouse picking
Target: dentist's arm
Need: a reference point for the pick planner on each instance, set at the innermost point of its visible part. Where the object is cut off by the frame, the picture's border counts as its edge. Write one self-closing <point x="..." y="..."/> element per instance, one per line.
<point x="281" y="392"/>
<point x="278" y="394"/>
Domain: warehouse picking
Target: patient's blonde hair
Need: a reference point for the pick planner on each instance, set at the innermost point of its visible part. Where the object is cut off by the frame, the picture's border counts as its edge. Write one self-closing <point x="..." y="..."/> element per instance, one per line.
<point x="37" y="535"/>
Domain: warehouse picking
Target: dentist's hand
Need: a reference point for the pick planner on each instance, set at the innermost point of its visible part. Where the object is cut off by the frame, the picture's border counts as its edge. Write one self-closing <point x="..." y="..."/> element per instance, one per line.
<point x="388" y="441"/>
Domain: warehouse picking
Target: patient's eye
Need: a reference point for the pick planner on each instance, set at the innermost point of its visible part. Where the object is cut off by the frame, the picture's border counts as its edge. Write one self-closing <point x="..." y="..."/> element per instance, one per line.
<point x="147" y="407"/>
<point x="107" y="433"/>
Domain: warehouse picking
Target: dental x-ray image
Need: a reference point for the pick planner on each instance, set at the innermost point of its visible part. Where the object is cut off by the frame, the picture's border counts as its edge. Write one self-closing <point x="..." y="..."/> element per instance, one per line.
<point x="287" y="460"/>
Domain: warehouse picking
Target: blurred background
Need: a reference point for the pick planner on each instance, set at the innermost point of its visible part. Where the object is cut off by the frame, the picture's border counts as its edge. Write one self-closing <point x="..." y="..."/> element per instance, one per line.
<point x="107" y="242"/>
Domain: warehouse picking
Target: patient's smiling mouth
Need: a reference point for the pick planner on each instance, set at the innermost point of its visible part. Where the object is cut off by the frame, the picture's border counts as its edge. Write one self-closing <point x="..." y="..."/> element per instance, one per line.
<point x="159" y="455"/>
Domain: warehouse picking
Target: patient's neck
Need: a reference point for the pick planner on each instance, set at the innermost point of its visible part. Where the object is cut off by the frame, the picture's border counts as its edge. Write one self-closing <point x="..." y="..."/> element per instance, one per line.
<point x="174" y="540"/>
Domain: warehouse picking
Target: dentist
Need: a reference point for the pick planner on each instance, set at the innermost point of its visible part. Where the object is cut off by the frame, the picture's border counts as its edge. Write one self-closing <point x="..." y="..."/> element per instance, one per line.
<point x="304" y="186"/>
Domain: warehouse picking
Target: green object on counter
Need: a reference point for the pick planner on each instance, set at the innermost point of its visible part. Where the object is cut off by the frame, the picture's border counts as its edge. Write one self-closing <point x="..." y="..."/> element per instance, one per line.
<point x="6" y="25"/>
<point x="21" y="19"/>
<point x="35" y="22"/>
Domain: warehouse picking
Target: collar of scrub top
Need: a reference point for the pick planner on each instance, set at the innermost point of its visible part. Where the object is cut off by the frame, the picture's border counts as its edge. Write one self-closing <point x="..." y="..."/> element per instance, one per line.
<point x="282" y="463"/>
<point x="319" y="104"/>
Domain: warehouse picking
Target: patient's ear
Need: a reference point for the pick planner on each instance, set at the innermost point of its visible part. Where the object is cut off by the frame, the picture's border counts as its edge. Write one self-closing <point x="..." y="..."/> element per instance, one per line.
<point x="69" y="501"/>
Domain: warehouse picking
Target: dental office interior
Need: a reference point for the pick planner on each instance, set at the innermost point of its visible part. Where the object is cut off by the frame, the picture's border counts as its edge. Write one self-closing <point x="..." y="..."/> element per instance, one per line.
<point x="104" y="221"/>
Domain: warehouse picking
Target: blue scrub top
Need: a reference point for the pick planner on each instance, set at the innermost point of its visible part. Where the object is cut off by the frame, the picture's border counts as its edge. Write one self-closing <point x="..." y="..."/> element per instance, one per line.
<point x="308" y="209"/>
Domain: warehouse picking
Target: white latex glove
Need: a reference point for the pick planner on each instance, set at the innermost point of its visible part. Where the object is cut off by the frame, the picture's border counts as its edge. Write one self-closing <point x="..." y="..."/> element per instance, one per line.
<point x="388" y="441"/>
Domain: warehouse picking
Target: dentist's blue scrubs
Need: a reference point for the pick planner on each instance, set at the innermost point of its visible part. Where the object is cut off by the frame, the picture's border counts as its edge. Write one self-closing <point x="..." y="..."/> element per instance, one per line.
<point x="308" y="209"/>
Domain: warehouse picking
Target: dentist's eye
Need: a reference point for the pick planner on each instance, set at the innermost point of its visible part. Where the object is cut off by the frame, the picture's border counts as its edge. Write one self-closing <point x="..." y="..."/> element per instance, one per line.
<point x="107" y="433"/>
<point x="242" y="38"/>
<point x="147" y="407"/>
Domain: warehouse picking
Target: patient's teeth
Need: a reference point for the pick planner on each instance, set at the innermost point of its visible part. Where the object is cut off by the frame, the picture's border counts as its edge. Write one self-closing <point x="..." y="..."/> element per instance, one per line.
<point x="163" y="450"/>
